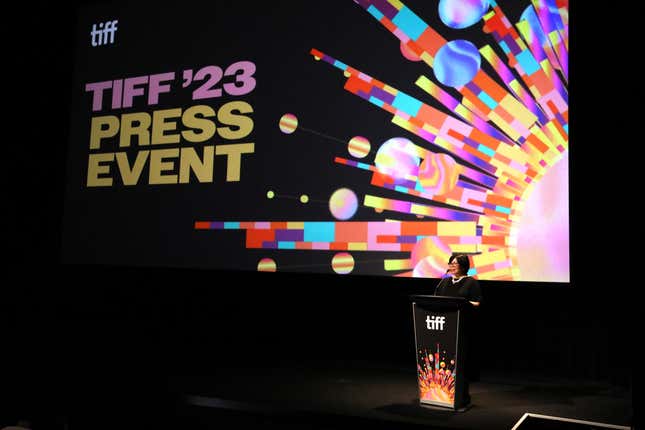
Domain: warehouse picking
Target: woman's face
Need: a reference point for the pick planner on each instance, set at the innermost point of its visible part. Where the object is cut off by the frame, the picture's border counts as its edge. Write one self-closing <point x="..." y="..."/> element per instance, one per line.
<point x="453" y="268"/>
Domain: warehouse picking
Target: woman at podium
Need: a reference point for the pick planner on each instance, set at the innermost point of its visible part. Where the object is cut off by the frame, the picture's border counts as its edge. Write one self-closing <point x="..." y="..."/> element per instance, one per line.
<point x="458" y="283"/>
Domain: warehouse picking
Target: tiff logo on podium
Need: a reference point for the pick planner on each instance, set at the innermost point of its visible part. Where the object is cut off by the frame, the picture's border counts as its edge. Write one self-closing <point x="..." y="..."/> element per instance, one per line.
<point x="104" y="34"/>
<point x="435" y="323"/>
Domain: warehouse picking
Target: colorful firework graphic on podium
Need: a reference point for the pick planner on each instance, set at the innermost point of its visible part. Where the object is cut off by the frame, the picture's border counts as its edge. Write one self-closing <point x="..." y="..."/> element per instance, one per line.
<point x="436" y="377"/>
<point x="472" y="159"/>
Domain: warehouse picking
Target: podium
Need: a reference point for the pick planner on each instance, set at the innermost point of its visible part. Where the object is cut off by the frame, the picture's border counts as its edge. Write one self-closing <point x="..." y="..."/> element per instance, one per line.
<point x="440" y="336"/>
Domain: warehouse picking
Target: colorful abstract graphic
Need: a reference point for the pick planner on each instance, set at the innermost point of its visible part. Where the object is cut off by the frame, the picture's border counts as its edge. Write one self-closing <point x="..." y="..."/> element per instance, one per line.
<point x="436" y="377"/>
<point x="490" y="138"/>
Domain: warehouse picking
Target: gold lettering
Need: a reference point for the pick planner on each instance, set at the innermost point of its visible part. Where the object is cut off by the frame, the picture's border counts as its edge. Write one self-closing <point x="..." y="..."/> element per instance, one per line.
<point x="233" y="154"/>
<point x="95" y="167"/>
<point x="158" y="166"/>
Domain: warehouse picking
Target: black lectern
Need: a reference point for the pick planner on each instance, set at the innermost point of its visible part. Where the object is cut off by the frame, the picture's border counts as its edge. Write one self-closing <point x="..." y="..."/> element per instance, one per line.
<point x="440" y="330"/>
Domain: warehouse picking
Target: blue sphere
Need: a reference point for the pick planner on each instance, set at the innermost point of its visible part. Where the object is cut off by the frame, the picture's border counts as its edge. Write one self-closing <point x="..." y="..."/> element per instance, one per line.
<point x="462" y="13"/>
<point x="456" y="63"/>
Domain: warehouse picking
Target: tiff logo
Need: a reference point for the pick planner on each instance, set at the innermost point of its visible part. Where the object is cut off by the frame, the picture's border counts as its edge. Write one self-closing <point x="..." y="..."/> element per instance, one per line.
<point x="104" y="34"/>
<point x="435" y="323"/>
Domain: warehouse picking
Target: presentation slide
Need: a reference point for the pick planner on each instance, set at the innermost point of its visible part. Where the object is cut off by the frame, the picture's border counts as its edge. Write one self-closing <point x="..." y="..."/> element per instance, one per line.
<point x="347" y="137"/>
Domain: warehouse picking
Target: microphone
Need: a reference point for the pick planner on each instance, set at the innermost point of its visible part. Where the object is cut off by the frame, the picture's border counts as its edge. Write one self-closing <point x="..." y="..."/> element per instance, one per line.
<point x="436" y="288"/>
<point x="445" y="276"/>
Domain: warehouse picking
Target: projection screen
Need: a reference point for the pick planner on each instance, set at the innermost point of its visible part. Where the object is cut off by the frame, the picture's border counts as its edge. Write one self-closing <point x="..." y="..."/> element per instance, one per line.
<point x="341" y="137"/>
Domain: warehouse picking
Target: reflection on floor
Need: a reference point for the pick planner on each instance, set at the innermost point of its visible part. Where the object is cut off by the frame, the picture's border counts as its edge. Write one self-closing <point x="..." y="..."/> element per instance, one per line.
<point x="320" y="395"/>
<point x="328" y="395"/>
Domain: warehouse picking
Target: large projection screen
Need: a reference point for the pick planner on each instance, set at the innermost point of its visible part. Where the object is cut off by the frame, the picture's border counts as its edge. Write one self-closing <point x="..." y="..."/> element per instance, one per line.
<point x="341" y="137"/>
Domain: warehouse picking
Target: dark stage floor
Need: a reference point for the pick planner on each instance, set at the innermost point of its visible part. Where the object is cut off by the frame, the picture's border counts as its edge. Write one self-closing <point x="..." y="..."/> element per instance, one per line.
<point x="327" y="395"/>
<point x="320" y="395"/>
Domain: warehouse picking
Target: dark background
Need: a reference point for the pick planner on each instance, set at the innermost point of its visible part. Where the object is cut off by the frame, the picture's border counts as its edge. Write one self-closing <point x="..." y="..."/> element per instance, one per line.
<point x="82" y="343"/>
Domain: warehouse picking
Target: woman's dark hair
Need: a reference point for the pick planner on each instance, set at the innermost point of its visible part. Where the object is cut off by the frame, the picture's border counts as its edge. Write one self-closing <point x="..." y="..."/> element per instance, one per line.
<point x="463" y="261"/>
